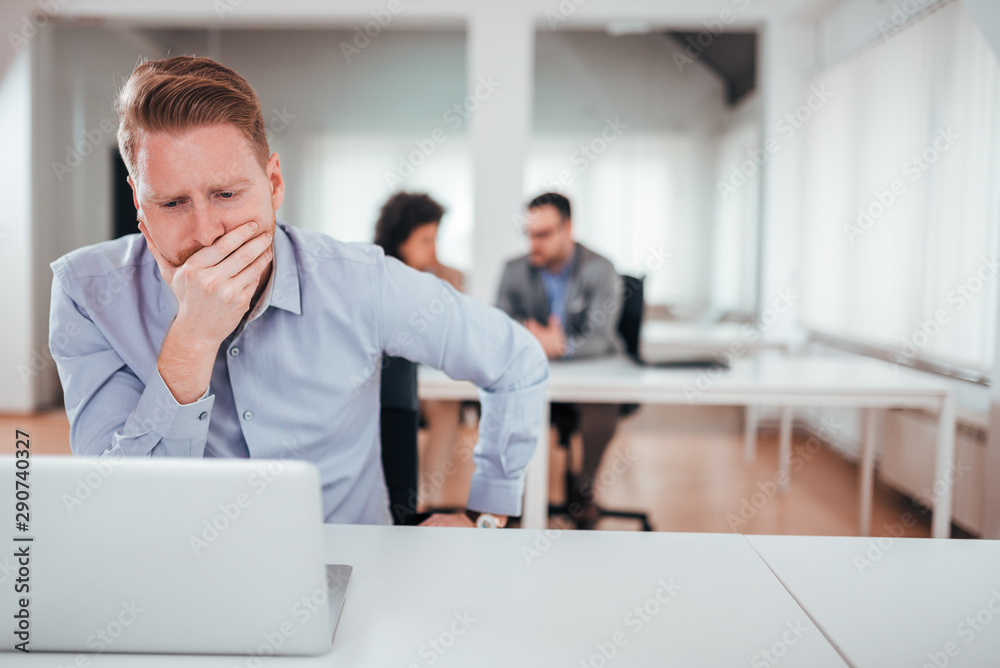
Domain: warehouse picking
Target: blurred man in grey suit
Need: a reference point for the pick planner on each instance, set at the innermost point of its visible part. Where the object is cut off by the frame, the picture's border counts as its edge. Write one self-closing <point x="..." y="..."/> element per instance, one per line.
<point x="570" y="298"/>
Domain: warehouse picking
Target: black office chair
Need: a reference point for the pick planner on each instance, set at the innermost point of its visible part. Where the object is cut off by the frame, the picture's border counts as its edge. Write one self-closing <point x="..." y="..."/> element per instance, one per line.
<point x="565" y="418"/>
<point x="400" y="415"/>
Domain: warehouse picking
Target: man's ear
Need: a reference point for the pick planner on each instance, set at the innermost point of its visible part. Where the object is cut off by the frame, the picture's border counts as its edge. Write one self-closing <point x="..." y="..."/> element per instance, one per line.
<point x="276" y="180"/>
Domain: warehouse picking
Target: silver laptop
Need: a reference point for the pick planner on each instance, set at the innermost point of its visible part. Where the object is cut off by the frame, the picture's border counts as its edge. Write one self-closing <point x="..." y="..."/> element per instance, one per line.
<point x="166" y="555"/>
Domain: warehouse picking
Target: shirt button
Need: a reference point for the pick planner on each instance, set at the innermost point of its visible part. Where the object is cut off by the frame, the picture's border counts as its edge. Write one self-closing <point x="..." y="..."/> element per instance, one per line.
<point x="247" y="415"/>
<point x="234" y="351"/>
<point x="203" y="416"/>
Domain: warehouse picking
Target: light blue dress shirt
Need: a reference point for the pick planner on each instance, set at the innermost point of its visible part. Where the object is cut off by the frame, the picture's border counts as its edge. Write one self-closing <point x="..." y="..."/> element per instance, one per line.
<point x="301" y="379"/>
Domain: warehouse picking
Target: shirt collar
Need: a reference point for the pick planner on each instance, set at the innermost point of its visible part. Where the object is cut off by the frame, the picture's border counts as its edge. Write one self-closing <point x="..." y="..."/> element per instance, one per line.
<point x="565" y="270"/>
<point x="283" y="290"/>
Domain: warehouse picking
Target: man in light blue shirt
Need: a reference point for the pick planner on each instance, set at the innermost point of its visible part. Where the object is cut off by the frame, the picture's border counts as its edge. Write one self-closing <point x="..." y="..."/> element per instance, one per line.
<point x="219" y="332"/>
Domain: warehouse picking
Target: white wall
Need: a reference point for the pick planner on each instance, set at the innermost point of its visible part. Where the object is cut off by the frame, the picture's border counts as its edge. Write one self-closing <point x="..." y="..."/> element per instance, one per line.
<point x="18" y="384"/>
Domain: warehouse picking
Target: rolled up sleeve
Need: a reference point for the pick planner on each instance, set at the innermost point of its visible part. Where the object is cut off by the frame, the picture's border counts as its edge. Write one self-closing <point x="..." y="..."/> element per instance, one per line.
<point x="427" y="321"/>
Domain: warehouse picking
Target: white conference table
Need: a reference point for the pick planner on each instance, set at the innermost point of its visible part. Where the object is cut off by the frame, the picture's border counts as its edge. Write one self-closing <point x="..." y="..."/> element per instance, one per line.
<point x="896" y="602"/>
<point x="755" y="381"/>
<point x="424" y="596"/>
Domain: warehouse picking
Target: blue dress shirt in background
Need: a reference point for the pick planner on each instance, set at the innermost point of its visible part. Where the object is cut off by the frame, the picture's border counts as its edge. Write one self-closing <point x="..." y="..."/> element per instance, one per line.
<point x="556" y="290"/>
<point x="301" y="378"/>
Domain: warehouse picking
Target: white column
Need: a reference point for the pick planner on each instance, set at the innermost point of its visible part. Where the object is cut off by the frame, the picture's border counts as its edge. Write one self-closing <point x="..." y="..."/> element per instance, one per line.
<point x="501" y="55"/>
<point x="786" y="55"/>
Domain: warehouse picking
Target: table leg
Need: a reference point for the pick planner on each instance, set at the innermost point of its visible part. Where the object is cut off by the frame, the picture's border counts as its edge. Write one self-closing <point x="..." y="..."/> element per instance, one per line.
<point x="785" y="448"/>
<point x="867" y="470"/>
<point x="944" y="470"/>
<point x="535" y="514"/>
<point x="750" y="435"/>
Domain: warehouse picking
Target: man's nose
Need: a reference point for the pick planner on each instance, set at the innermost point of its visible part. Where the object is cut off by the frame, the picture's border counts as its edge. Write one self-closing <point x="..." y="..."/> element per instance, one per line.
<point x="207" y="226"/>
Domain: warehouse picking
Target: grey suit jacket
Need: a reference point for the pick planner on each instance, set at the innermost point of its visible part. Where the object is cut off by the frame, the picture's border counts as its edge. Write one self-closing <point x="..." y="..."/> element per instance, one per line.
<point x="593" y="301"/>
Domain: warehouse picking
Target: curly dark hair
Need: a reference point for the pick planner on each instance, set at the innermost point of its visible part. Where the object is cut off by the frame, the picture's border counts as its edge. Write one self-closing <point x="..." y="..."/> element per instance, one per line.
<point x="400" y="215"/>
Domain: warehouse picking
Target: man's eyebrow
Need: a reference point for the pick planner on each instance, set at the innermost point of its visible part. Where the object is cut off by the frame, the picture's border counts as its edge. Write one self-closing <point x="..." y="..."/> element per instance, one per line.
<point x="231" y="185"/>
<point x="226" y="185"/>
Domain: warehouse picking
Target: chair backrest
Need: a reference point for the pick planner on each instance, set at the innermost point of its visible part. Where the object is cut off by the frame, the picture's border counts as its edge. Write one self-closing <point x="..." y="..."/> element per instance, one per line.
<point x="630" y="323"/>
<point x="399" y="417"/>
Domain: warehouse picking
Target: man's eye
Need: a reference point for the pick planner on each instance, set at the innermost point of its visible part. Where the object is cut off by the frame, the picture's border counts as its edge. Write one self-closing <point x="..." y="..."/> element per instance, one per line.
<point x="171" y="204"/>
<point x="227" y="194"/>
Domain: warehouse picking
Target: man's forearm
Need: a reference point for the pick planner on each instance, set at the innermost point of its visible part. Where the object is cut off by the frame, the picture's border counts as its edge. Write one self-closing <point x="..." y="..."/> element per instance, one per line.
<point x="186" y="364"/>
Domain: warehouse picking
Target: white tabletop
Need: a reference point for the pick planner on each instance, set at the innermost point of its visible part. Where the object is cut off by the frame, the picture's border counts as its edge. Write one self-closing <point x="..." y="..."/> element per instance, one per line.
<point x="896" y="602"/>
<point x="761" y="379"/>
<point x="524" y="598"/>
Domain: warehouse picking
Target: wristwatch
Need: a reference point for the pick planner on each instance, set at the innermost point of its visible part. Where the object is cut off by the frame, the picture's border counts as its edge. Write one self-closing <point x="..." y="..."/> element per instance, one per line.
<point x="485" y="520"/>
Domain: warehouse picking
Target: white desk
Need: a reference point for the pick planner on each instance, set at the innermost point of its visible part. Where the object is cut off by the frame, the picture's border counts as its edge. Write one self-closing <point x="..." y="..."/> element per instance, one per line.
<point x="765" y="380"/>
<point x="553" y="607"/>
<point x="896" y="602"/>
<point x="665" y="339"/>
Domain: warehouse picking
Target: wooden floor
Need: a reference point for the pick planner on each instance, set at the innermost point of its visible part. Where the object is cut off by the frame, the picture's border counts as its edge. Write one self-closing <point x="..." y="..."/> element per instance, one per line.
<point x="687" y="479"/>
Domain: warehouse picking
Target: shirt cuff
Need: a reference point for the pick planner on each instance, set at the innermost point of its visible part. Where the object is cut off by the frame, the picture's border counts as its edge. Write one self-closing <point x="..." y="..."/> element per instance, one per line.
<point x="159" y="412"/>
<point x="499" y="497"/>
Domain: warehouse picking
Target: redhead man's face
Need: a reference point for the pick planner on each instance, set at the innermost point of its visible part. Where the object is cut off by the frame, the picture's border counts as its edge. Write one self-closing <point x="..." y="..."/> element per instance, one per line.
<point x="194" y="186"/>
